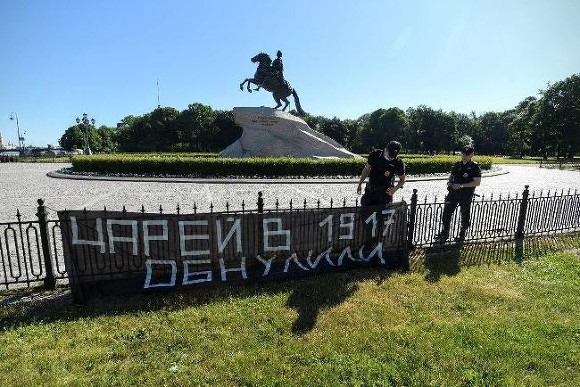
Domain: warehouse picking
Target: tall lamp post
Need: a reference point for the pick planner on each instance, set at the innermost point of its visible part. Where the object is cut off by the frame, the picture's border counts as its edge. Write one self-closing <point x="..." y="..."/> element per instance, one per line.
<point x="12" y="117"/>
<point x="86" y="126"/>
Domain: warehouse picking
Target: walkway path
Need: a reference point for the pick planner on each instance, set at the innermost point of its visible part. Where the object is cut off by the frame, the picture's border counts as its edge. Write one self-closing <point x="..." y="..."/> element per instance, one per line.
<point x="21" y="184"/>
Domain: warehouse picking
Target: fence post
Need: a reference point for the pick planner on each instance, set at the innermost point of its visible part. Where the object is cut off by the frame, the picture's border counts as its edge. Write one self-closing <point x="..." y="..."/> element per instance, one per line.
<point x="522" y="214"/>
<point x="260" y="203"/>
<point x="411" y="225"/>
<point x="49" y="280"/>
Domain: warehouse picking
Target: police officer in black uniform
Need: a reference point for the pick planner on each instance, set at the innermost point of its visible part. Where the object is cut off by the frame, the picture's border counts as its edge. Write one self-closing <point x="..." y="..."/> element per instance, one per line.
<point x="381" y="168"/>
<point x="465" y="176"/>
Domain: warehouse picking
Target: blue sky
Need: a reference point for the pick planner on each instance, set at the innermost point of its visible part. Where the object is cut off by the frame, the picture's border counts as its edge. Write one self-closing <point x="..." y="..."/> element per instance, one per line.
<point x="345" y="58"/>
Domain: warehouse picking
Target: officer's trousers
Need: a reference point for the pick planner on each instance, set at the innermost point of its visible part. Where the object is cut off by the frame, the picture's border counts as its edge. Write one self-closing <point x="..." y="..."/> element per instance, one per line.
<point x="451" y="203"/>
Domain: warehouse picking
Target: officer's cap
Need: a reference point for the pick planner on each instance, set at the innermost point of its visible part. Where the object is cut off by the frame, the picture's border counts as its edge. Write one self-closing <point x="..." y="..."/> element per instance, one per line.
<point x="467" y="150"/>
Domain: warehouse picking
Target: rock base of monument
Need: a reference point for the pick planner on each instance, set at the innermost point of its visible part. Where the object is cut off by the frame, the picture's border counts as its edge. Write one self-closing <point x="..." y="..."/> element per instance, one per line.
<point x="274" y="133"/>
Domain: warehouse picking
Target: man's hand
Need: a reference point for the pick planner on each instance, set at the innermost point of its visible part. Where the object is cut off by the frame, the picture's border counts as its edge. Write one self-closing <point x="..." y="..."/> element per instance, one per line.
<point x="456" y="186"/>
<point x="391" y="191"/>
<point x="359" y="189"/>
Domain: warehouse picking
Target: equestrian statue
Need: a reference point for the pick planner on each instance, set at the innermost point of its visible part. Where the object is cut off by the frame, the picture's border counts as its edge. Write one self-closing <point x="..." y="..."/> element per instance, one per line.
<point x="269" y="75"/>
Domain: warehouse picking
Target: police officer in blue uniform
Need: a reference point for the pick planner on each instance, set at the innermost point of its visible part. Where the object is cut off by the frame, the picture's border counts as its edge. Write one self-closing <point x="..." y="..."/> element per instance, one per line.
<point x="465" y="176"/>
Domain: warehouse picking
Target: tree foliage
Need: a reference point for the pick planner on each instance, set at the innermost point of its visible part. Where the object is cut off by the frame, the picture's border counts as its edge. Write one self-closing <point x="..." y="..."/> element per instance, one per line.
<point x="546" y="126"/>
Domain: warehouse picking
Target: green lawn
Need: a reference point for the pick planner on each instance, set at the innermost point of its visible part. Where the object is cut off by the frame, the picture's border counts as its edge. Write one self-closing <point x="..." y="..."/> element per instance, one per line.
<point x="484" y="315"/>
<point x="530" y="160"/>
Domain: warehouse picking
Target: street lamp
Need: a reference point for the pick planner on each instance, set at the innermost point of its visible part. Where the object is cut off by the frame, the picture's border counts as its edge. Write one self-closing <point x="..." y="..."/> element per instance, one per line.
<point x="85" y="122"/>
<point x="13" y="116"/>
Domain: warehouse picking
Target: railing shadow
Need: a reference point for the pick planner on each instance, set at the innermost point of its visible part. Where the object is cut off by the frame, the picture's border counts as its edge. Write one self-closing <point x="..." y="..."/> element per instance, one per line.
<point x="447" y="260"/>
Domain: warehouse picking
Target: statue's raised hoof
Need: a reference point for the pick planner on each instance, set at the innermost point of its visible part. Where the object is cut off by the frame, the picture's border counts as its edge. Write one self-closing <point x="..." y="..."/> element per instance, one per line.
<point x="242" y="87"/>
<point x="250" y="90"/>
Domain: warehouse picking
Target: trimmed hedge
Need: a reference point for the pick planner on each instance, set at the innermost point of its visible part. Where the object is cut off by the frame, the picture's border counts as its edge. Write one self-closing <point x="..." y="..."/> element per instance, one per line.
<point x="156" y="164"/>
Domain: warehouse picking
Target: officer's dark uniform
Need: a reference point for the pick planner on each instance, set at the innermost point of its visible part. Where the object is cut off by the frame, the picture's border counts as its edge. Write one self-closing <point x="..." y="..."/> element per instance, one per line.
<point x="462" y="197"/>
<point x="381" y="177"/>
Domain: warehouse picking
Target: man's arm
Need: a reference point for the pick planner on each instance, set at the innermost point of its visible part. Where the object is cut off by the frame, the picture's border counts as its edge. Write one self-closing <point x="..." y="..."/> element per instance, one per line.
<point x="364" y="174"/>
<point x="472" y="184"/>
<point x="391" y="191"/>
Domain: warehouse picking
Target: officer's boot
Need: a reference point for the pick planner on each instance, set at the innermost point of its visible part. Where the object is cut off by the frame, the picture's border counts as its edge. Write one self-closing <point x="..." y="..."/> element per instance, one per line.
<point x="461" y="236"/>
<point x="442" y="236"/>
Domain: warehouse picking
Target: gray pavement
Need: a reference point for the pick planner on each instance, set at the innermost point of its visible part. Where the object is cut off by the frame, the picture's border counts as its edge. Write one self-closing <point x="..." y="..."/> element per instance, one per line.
<point x="21" y="184"/>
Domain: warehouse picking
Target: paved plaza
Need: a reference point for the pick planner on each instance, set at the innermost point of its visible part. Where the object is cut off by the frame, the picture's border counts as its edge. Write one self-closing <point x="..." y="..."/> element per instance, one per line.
<point x="21" y="184"/>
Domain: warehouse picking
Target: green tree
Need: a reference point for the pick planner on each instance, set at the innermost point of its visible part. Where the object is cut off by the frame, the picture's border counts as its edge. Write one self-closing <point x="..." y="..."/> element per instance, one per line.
<point x="465" y="126"/>
<point x="73" y="138"/>
<point x="558" y="117"/>
<point x="521" y="127"/>
<point x="353" y="133"/>
<point x="492" y="133"/>
<point x="428" y="126"/>
<point x="108" y="139"/>
<point x="197" y="129"/>
<point x="382" y="126"/>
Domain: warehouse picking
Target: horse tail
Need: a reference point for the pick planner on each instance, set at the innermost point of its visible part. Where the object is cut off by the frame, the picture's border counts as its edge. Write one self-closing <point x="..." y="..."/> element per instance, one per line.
<point x="297" y="102"/>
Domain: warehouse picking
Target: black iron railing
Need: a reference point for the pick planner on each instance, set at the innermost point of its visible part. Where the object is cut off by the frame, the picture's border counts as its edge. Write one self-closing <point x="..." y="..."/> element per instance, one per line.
<point x="31" y="251"/>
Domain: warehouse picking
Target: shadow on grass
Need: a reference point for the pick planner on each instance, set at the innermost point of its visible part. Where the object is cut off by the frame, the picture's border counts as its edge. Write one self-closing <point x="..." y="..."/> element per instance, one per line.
<point x="308" y="296"/>
<point x="446" y="260"/>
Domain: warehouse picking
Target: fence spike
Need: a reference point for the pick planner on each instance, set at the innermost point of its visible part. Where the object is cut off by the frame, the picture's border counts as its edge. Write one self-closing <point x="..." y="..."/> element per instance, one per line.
<point x="178" y="209"/>
<point x="194" y="208"/>
<point x="318" y="204"/>
<point x="160" y="209"/>
<point x="211" y="207"/>
<point x="356" y="202"/>
<point x="344" y="203"/>
<point x="243" y="206"/>
<point x="304" y="203"/>
<point x="290" y="203"/>
<point x="260" y="202"/>
<point x="227" y="206"/>
<point x="142" y="208"/>
<point x="124" y="210"/>
<point x="331" y="201"/>
<point x="18" y="214"/>
<point x="277" y="204"/>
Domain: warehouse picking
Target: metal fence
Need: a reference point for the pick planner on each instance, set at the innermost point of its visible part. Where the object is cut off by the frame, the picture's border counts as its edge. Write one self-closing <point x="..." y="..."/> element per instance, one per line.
<point x="31" y="251"/>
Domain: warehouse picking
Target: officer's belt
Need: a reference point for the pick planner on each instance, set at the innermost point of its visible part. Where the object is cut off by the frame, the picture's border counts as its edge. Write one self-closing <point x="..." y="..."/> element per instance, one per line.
<point x="376" y="188"/>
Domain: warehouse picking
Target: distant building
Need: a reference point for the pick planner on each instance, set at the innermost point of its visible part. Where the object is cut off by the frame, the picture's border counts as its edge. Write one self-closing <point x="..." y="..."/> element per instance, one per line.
<point x="7" y="146"/>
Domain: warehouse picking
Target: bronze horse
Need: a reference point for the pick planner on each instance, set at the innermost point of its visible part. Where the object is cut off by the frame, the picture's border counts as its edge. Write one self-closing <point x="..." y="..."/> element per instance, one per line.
<point x="266" y="77"/>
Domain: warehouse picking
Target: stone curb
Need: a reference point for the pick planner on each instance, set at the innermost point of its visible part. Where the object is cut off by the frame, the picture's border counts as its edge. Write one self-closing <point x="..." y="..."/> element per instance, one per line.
<point x="188" y="180"/>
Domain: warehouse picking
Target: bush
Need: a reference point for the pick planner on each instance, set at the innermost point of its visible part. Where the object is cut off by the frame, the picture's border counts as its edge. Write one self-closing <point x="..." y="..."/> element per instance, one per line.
<point x="210" y="166"/>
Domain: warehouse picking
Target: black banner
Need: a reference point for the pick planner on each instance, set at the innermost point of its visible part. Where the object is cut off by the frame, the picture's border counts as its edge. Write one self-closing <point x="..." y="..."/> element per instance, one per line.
<point x="119" y="252"/>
